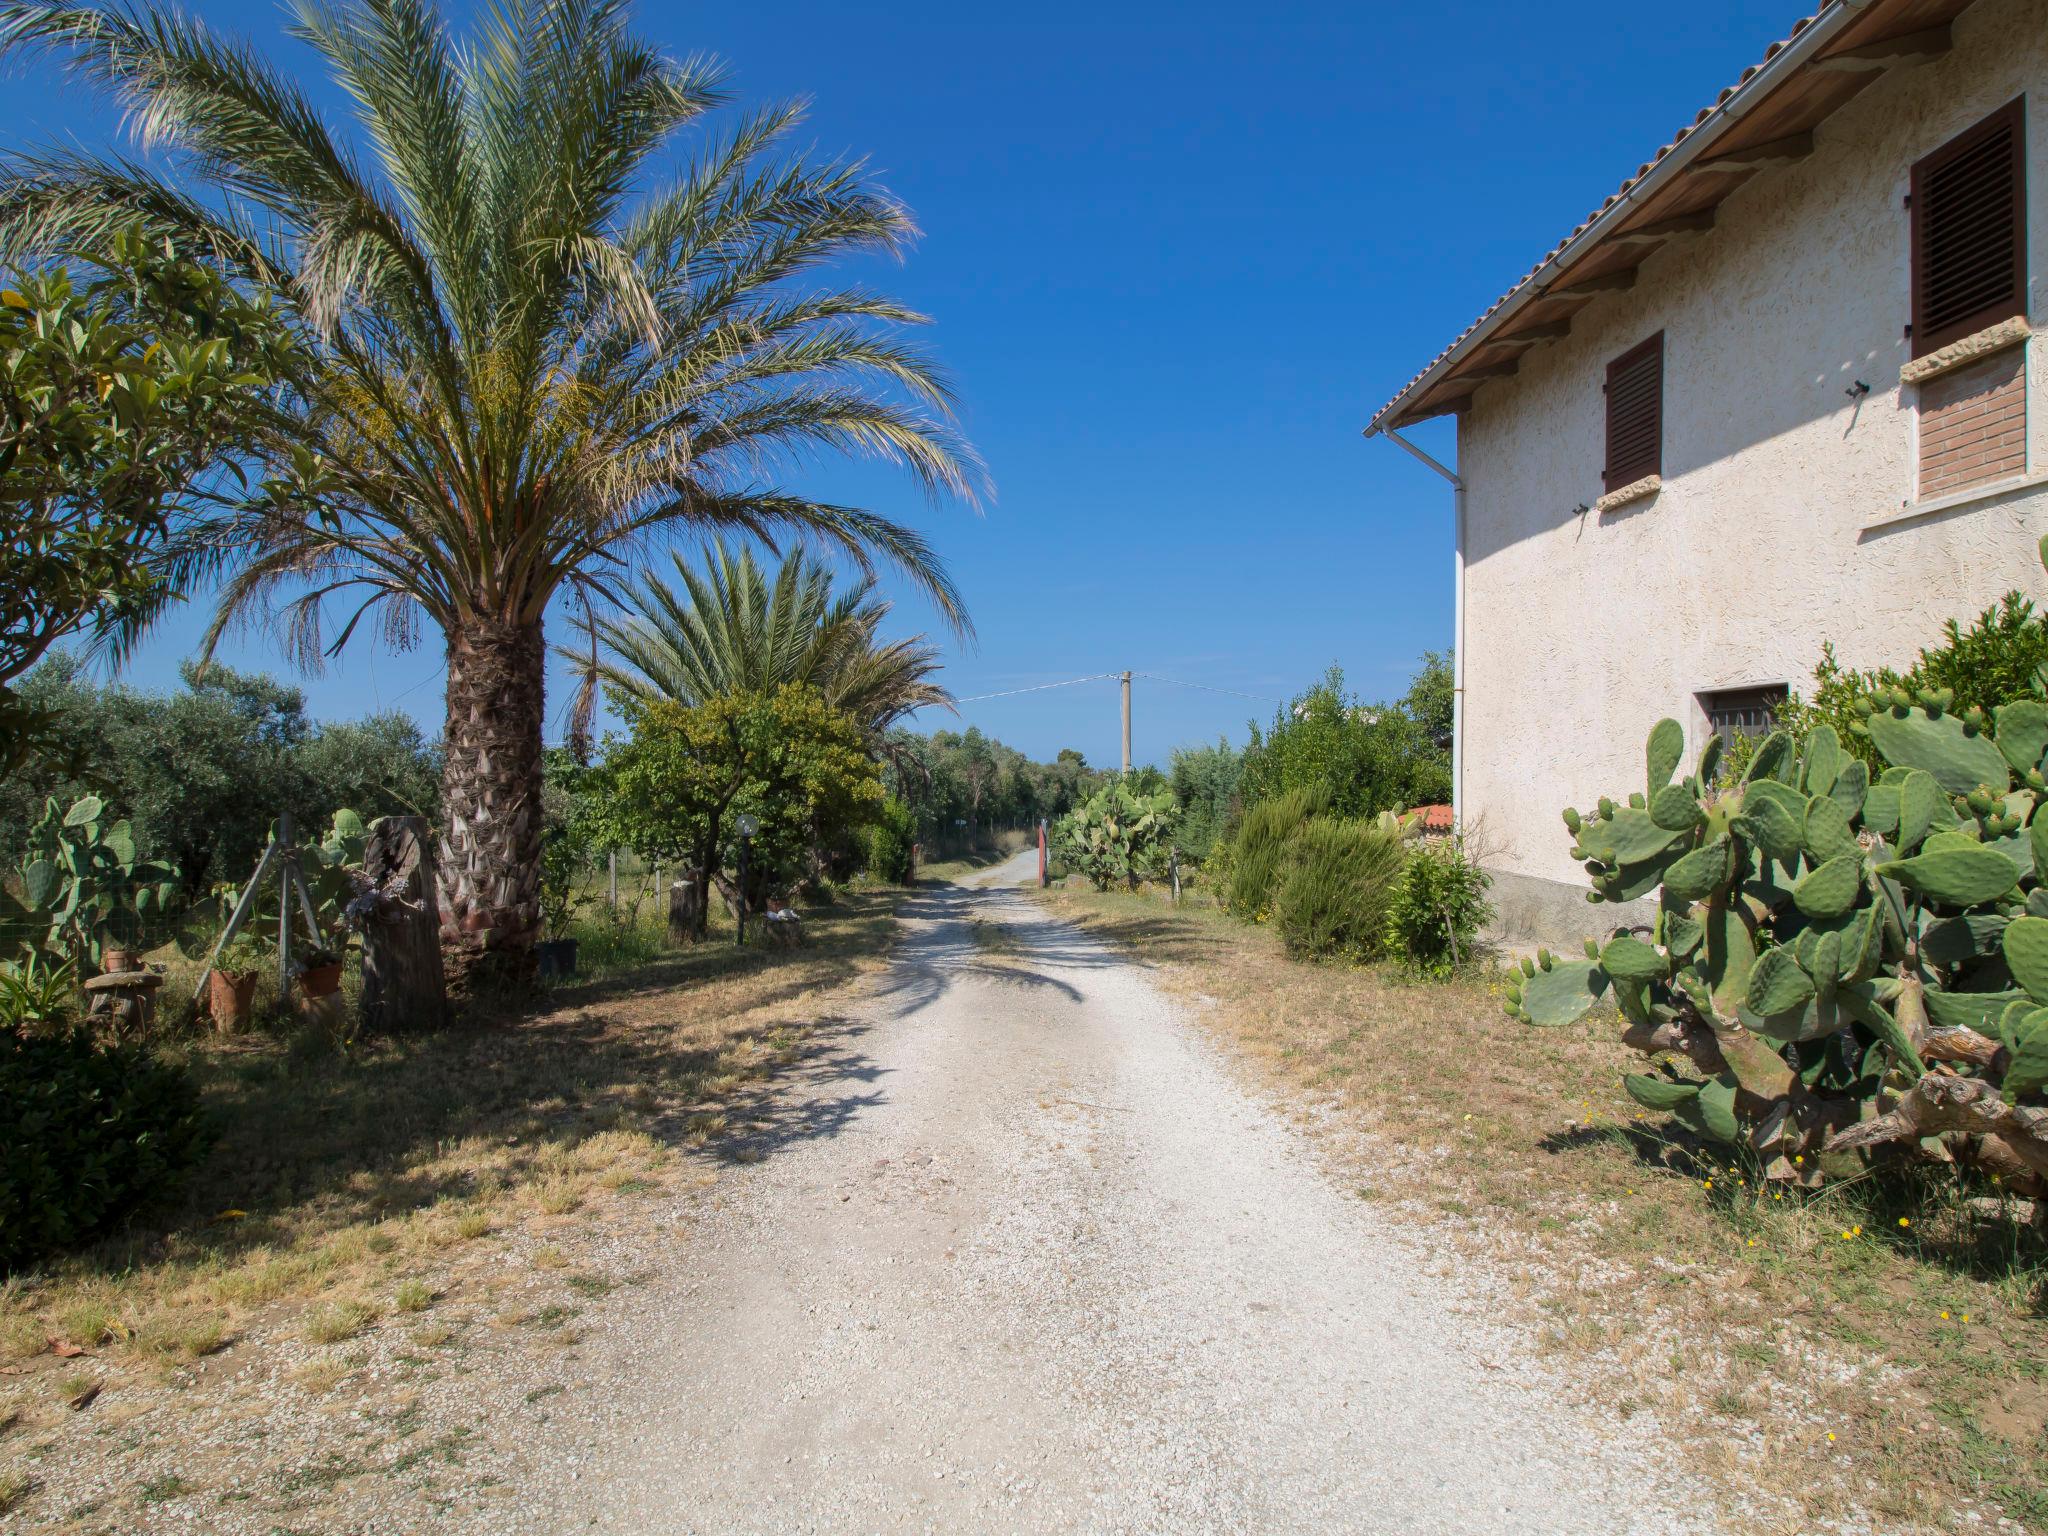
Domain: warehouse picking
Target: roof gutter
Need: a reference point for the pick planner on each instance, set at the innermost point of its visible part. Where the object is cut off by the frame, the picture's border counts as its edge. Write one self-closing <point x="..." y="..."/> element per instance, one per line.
<point x="1793" y="56"/>
<point x="1457" y="626"/>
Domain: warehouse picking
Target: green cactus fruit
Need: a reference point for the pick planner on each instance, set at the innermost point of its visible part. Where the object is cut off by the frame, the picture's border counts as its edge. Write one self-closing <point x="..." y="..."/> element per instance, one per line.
<point x="1592" y="949"/>
<point x="1830" y="889"/>
<point x="1571" y="821"/>
<point x="1901" y="699"/>
<point x="2027" y="1072"/>
<point x="1511" y="1009"/>
<point x="1545" y="959"/>
<point x="1528" y="966"/>
<point x="1675" y="809"/>
<point x="1702" y="872"/>
<point x="1606" y="808"/>
<point x="1661" y="753"/>
<point x="1637" y="801"/>
<point x="1661" y="1094"/>
<point x="1627" y="958"/>
<point x="1958" y="754"/>
<point x="1955" y="877"/>
<point x="1563" y="993"/>
<point x="2025" y="945"/>
<point x="1822" y="760"/>
<point x="1778" y="985"/>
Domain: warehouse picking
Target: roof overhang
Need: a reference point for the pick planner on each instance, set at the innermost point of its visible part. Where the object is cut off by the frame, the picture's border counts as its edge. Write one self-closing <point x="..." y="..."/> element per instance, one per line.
<point x="1765" y="120"/>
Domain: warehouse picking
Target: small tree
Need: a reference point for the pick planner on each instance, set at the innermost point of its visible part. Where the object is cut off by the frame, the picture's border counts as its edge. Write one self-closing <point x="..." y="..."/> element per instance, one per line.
<point x="1117" y="835"/>
<point x="674" y="789"/>
<point x="119" y="392"/>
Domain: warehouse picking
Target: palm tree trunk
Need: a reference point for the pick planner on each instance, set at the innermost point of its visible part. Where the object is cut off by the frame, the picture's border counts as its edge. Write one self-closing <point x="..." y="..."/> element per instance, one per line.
<point x="489" y="872"/>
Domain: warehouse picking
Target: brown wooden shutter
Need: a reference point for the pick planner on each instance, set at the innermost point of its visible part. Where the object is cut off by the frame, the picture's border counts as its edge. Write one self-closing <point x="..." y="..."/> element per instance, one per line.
<point x="1970" y="231"/>
<point x="1635" y="414"/>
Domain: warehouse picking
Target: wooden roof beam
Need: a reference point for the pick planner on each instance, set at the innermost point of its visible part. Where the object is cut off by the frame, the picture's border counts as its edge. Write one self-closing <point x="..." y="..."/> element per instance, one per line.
<point x="1794" y="146"/>
<point x="1906" y="48"/>
<point x="1585" y="287"/>
<point x="1658" y="232"/>
<point x="1487" y="371"/>
<point x="1556" y="330"/>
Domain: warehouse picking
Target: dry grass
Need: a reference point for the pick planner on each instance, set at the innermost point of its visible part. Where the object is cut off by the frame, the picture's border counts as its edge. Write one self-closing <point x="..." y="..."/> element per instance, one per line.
<point x="350" y="1191"/>
<point x="1849" y="1356"/>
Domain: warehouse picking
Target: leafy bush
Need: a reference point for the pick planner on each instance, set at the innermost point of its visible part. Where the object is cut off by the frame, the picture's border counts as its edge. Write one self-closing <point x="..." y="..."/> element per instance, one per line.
<point x="1844" y="967"/>
<point x="95" y="1133"/>
<point x="1333" y="896"/>
<point x="37" y="993"/>
<point x="1117" y="835"/>
<point x="1437" y="908"/>
<point x="1258" y="852"/>
<point x="1999" y="658"/>
<point x="891" y="841"/>
<point x="1366" y="757"/>
<point x="1204" y="781"/>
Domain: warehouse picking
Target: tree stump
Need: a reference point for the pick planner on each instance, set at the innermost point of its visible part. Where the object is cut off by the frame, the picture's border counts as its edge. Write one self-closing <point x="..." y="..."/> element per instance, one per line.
<point x="686" y="910"/>
<point x="404" y="987"/>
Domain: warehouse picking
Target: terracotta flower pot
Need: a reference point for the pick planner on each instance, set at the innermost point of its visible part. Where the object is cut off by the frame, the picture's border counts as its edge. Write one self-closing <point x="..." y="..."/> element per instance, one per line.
<point x="320" y="980"/>
<point x="231" y="1000"/>
<point x="114" y="961"/>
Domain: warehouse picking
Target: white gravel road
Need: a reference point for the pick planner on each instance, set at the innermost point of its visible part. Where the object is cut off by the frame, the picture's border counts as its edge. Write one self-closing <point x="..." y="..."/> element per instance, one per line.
<point x="1031" y="1259"/>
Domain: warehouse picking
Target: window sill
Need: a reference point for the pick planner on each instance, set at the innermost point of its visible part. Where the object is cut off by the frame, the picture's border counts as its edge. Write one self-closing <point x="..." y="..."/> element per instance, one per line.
<point x="1960" y="354"/>
<point x="1963" y="498"/>
<point x="1635" y="490"/>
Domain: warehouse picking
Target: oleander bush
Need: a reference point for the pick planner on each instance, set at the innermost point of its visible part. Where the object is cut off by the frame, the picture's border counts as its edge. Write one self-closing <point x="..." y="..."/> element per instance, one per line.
<point x="95" y="1132"/>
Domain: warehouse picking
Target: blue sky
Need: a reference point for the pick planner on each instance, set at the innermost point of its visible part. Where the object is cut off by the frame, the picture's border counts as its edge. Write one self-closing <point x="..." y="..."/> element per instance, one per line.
<point x="1175" y="256"/>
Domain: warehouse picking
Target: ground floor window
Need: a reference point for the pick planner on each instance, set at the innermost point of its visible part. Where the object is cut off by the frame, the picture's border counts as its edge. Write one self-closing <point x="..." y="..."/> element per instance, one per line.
<point x="1752" y="711"/>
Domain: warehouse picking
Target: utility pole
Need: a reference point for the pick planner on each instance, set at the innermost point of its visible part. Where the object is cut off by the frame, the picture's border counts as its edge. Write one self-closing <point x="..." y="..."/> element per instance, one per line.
<point x="1127" y="725"/>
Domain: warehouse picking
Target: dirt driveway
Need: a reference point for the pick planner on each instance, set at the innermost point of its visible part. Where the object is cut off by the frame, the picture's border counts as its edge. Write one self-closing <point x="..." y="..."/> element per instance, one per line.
<point x="1037" y="1262"/>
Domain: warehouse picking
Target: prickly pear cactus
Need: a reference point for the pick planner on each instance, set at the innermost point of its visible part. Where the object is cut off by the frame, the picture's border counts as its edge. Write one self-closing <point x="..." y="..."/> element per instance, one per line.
<point x="81" y="880"/>
<point x="1836" y="965"/>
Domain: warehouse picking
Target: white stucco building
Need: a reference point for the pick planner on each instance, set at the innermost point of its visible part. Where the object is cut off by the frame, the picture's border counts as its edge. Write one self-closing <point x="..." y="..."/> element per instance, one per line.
<point x="1778" y="389"/>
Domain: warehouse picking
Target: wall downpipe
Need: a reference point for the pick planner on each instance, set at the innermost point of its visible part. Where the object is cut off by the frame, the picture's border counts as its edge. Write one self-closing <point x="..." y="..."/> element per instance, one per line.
<point x="1457" y="620"/>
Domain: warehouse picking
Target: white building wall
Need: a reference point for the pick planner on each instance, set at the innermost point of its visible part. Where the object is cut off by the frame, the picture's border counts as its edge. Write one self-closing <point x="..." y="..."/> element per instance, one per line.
<point x="1581" y="630"/>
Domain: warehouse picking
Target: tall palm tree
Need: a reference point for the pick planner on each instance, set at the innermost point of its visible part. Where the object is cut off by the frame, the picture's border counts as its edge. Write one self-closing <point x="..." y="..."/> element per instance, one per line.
<point x="530" y="348"/>
<point x="727" y="629"/>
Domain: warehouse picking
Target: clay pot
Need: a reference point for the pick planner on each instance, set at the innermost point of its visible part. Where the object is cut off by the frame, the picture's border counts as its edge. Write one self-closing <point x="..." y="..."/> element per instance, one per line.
<point x="114" y="961"/>
<point x="231" y="1000"/>
<point x="320" y="980"/>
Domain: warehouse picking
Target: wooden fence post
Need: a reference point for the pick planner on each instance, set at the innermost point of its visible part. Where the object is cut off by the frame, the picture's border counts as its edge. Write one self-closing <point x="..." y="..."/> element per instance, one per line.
<point x="404" y="986"/>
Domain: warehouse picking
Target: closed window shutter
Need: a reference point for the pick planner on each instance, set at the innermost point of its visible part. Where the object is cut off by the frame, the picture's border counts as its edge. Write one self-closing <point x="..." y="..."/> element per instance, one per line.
<point x="1969" y="232"/>
<point x="1635" y="414"/>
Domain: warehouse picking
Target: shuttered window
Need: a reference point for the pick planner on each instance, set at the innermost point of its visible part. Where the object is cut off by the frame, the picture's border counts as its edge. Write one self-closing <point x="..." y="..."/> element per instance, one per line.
<point x="1970" y="232"/>
<point x="1635" y="414"/>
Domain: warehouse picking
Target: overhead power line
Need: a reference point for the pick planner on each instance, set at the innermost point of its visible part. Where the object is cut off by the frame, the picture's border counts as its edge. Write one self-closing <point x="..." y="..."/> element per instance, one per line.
<point x="1094" y="677"/>
<point x="1256" y="698"/>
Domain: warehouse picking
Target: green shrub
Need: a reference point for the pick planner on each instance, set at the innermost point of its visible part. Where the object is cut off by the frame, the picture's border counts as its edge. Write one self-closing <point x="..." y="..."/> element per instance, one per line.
<point x="891" y="839"/>
<point x="1257" y="853"/>
<point x="1332" y="898"/>
<point x="1437" y="908"/>
<point x="95" y="1132"/>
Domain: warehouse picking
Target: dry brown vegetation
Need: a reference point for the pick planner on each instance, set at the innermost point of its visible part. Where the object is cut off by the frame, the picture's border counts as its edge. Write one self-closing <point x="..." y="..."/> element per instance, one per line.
<point x="382" y="1191"/>
<point x="1874" y="1346"/>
